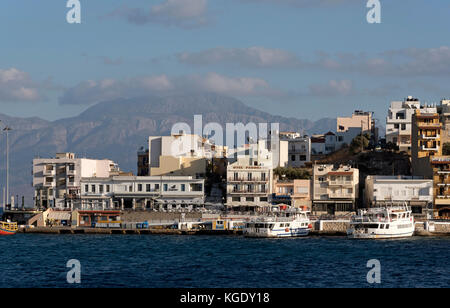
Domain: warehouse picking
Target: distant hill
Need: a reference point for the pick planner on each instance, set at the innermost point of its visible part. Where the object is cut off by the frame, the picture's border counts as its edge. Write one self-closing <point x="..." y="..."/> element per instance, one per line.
<point x="116" y="129"/>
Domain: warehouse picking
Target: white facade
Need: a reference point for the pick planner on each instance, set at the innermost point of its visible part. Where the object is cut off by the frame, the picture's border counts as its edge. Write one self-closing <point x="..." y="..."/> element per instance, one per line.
<point x="299" y="149"/>
<point x="399" y="121"/>
<point x="57" y="180"/>
<point x="250" y="176"/>
<point x="121" y="192"/>
<point x="416" y="192"/>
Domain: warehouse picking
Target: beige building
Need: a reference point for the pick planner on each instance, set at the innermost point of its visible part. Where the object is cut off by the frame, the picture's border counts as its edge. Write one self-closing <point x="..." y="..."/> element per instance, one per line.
<point x="444" y="113"/>
<point x="57" y="180"/>
<point x="181" y="155"/>
<point x="335" y="189"/>
<point x="359" y="119"/>
<point x="293" y="192"/>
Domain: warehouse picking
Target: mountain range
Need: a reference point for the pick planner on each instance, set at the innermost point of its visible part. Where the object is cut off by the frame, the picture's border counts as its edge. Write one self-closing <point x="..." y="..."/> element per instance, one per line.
<point x="117" y="129"/>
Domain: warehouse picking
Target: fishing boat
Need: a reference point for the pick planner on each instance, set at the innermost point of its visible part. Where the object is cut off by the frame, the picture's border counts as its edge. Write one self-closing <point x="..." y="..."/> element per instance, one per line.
<point x="382" y="223"/>
<point x="8" y="228"/>
<point x="287" y="225"/>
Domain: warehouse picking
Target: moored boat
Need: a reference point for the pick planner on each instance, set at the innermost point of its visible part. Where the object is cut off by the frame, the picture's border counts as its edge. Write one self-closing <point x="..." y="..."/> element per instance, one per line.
<point x="382" y="223"/>
<point x="8" y="228"/>
<point x="290" y="225"/>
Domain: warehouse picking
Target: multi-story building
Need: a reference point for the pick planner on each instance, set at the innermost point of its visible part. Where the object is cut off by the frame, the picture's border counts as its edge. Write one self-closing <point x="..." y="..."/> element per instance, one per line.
<point x="250" y="177"/>
<point x="441" y="186"/>
<point x="399" y="122"/>
<point x="425" y="140"/>
<point x="359" y="119"/>
<point x="398" y="190"/>
<point x="181" y="154"/>
<point x="299" y="149"/>
<point x="335" y="189"/>
<point x="444" y="113"/>
<point x="293" y="192"/>
<point x="317" y="145"/>
<point x="57" y="180"/>
<point x="141" y="192"/>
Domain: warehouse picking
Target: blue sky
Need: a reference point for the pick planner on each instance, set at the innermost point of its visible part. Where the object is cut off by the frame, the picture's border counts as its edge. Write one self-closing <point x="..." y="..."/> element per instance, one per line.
<point x="300" y="58"/>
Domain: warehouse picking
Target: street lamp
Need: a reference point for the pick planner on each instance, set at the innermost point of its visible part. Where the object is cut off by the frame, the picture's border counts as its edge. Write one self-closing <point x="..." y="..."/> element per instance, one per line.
<point x="7" y="129"/>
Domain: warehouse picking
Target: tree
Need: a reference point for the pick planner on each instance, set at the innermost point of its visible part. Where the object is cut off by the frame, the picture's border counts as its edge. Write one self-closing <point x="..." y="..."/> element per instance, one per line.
<point x="291" y="173"/>
<point x="446" y="148"/>
<point x="358" y="143"/>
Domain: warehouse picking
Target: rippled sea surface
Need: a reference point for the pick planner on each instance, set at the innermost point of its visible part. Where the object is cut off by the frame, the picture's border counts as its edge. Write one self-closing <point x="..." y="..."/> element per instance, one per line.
<point x="29" y="260"/>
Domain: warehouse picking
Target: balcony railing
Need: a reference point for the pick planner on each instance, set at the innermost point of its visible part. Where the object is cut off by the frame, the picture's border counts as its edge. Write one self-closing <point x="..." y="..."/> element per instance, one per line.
<point x="340" y="183"/>
<point x="247" y="192"/>
<point x="244" y="179"/>
<point x="426" y="148"/>
<point x="430" y="137"/>
<point x="346" y="196"/>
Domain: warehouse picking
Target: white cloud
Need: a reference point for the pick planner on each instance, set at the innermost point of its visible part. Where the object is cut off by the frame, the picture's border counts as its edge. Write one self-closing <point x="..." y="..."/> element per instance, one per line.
<point x="250" y="57"/>
<point x="91" y="92"/>
<point x="17" y="86"/>
<point x="178" y="13"/>
<point x="332" y="88"/>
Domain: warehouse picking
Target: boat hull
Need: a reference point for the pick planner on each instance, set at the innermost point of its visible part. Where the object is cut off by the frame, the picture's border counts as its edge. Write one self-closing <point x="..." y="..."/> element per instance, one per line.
<point x="6" y="232"/>
<point x="277" y="234"/>
<point x="374" y="235"/>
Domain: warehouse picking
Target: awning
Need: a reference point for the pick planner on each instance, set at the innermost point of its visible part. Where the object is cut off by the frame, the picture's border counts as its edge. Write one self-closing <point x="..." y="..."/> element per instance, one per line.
<point x="59" y="215"/>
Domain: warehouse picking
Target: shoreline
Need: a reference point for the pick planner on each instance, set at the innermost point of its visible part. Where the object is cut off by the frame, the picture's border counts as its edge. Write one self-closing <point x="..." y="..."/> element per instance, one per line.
<point x="118" y="231"/>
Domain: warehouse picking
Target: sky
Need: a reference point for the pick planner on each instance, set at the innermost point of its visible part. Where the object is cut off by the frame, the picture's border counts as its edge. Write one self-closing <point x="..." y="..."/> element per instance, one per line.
<point x="298" y="58"/>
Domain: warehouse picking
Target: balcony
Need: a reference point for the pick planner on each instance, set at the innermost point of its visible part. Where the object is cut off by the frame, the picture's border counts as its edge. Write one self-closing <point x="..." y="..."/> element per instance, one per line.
<point x="340" y="196"/>
<point x="244" y="179"/>
<point x="340" y="183"/>
<point x="71" y="172"/>
<point x="49" y="171"/>
<point x="437" y="136"/>
<point x="426" y="148"/>
<point x="252" y="192"/>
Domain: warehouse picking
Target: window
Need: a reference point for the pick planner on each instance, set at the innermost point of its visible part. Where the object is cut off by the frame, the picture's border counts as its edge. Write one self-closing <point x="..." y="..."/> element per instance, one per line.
<point x="292" y="157"/>
<point x="86" y="188"/>
<point x="236" y="199"/>
<point x="236" y="176"/>
<point x="166" y="187"/>
<point x="139" y="187"/>
<point x="156" y="186"/>
<point x="183" y="187"/>
<point x="130" y="188"/>
<point x="302" y="157"/>
<point x="249" y="176"/>
<point x="263" y="199"/>
<point x="147" y="187"/>
<point x="107" y="189"/>
<point x="100" y="189"/>
<point x="263" y="176"/>
<point x="250" y="199"/>
<point x="93" y="188"/>
<point x="403" y="126"/>
<point x="196" y="187"/>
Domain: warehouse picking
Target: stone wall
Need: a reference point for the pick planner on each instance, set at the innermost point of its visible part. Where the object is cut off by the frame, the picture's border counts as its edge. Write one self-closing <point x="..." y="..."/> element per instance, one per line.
<point x="442" y="227"/>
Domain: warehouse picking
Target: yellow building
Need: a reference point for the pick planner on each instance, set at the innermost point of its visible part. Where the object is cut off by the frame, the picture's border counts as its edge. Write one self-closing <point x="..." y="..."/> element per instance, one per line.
<point x="425" y="140"/>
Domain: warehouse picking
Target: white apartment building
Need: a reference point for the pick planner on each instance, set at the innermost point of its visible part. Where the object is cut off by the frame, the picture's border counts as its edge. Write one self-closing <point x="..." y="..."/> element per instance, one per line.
<point x="250" y="177"/>
<point x="399" y="121"/>
<point x="335" y="189"/>
<point x="57" y="180"/>
<point x="398" y="190"/>
<point x="141" y="192"/>
<point x="299" y="149"/>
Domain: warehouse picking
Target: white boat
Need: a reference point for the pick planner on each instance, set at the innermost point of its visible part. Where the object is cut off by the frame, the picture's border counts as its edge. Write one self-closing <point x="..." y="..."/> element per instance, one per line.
<point x="291" y="225"/>
<point x="382" y="223"/>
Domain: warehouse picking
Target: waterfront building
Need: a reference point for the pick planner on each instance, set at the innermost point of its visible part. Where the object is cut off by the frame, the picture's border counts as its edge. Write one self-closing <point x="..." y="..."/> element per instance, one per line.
<point x="295" y="193"/>
<point x="416" y="192"/>
<point x="441" y="186"/>
<point x="141" y="192"/>
<point x="57" y="180"/>
<point x="399" y="122"/>
<point x="425" y="140"/>
<point x="334" y="189"/>
<point x="299" y="148"/>
<point x="250" y="177"/>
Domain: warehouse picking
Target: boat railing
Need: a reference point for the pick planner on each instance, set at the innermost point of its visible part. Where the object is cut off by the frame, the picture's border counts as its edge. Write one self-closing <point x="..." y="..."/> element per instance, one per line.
<point x="8" y="226"/>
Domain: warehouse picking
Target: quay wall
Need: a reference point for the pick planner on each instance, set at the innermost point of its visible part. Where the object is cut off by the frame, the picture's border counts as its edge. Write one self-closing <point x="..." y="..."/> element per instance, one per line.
<point x="136" y="216"/>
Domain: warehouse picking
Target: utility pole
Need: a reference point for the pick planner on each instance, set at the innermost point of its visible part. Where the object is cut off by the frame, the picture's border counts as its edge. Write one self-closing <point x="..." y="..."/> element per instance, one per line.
<point x="7" y="129"/>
